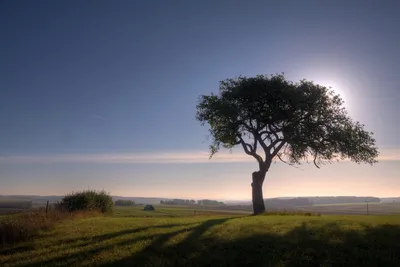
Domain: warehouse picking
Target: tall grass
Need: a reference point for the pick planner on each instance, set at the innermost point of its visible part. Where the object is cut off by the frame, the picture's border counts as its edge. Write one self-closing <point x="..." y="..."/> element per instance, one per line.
<point x="23" y="226"/>
<point x="26" y="225"/>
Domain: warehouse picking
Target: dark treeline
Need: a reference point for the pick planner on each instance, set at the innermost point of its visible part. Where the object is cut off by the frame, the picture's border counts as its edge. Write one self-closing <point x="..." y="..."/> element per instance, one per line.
<point x="206" y="202"/>
<point x="178" y="201"/>
<point x="209" y="202"/>
<point x="287" y="203"/>
<point x="123" y="202"/>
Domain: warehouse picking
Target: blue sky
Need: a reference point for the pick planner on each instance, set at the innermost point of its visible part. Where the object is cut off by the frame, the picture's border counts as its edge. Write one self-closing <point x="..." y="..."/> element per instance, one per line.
<point x="102" y="94"/>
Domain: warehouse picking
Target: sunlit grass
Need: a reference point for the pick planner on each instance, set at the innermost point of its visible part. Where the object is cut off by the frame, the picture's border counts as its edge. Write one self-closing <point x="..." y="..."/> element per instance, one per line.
<point x="214" y="241"/>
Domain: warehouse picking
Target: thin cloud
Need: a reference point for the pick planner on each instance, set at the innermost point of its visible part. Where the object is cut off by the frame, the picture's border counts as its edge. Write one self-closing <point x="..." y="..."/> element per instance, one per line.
<point x="129" y="158"/>
<point x="98" y="117"/>
<point x="154" y="158"/>
<point x="390" y="154"/>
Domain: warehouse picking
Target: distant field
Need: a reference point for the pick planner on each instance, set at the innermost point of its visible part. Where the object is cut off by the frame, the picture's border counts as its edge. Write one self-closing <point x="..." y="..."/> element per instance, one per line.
<point x="346" y="204"/>
<point x="11" y="206"/>
<point x="356" y="208"/>
<point x="175" y="211"/>
<point x="188" y="210"/>
<point x="9" y="210"/>
<point x="213" y="241"/>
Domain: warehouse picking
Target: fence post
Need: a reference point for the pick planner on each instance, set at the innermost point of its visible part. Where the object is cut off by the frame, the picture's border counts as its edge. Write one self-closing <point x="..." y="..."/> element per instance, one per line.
<point x="47" y="206"/>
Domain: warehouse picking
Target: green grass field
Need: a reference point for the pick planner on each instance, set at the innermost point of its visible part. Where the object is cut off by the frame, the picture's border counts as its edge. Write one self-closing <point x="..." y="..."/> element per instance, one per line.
<point x="173" y="236"/>
<point x="176" y="211"/>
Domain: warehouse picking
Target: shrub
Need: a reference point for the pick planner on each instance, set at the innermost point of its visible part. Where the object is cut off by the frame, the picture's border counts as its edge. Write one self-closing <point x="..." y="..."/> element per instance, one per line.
<point x="88" y="200"/>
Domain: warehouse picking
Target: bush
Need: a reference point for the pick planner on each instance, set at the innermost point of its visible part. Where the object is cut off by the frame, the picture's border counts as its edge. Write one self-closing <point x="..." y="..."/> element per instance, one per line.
<point x="88" y="200"/>
<point x="27" y="225"/>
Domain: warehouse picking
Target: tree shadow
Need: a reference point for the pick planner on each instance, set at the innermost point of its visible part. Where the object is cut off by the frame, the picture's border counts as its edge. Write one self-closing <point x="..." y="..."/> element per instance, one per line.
<point x="327" y="245"/>
<point x="14" y="249"/>
<point x="73" y="259"/>
<point x="170" y="254"/>
<point x="81" y="242"/>
<point x="99" y="238"/>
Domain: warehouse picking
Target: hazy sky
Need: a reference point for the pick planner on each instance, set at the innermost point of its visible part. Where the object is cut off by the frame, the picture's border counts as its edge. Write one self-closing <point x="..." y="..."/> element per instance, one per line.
<point x="102" y="94"/>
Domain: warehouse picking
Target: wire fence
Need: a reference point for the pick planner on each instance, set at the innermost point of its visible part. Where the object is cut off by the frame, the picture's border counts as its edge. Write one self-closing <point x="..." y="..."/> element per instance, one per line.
<point x="337" y="209"/>
<point x="7" y="208"/>
<point x="357" y="209"/>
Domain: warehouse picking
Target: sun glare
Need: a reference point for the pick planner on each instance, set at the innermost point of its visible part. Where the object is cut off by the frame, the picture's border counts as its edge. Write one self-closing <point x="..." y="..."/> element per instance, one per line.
<point x="337" y="89"/>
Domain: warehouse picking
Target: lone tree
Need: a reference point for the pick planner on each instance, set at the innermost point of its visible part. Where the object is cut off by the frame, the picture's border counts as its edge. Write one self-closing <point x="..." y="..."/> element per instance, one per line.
<point x="286" y="121"/>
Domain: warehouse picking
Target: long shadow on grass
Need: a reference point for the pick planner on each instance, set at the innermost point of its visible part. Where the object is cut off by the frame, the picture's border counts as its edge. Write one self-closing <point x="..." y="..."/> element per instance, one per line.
<point x="173" y="253"/>
<point x="306" y="245"/>
<point x="72" y="259"/>
<point x="82" y="242"/>
<point x="327" y="245"/>
<point x="104" y="237"/>
<point x="11" y="250"/>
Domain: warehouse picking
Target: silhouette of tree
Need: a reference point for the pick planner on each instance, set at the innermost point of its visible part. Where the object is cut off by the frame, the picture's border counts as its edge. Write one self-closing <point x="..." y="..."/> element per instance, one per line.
<point x="287" y="121"/>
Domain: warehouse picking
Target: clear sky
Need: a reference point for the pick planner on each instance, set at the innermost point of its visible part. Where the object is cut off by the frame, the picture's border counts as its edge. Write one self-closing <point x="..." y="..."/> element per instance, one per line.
<point x="102" y="94"/>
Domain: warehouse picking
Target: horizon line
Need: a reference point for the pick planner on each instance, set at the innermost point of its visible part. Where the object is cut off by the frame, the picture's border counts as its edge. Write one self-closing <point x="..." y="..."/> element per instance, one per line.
<point x="226" y="199"/>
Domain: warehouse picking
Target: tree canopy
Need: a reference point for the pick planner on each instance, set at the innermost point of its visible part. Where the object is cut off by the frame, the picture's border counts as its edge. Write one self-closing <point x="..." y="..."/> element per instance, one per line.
<point x="291" y="122"/>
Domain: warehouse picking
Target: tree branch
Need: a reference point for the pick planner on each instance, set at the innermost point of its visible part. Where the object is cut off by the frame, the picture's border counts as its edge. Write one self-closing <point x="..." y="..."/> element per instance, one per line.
<point x="274" y="143"/>
<point x="288" y="163"/>
<point x="315" y="158"/>
<point x="275" y="130"/>
<point x="251" y="149"/>
<point x="276" y="151"/>
<point x="270" y="130"/>
<point x="255" y="144"/>
<point x="267" y="136"/>
<point x="257" y="137"/>
<point x="265" y="132"/>
<point x="250" y="152"/>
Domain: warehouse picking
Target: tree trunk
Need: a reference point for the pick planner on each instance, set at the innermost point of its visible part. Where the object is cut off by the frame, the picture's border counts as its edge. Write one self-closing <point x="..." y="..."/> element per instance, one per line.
<point x="257" y="194"/>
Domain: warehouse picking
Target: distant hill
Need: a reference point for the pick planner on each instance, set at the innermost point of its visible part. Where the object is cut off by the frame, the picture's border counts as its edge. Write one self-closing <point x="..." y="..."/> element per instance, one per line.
<point x="278" y="203"/>
<point x="238" y="202"/>
<point x="41" y="200"/>
<point x="33" y="198"/>
<point x="390" y="199"/>
<point x="342" y="199"/>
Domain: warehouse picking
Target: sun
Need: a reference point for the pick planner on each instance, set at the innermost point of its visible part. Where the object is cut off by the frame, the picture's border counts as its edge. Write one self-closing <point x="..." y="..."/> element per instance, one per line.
<point x="334" y="79"/>
<point x="337" y="88"/>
